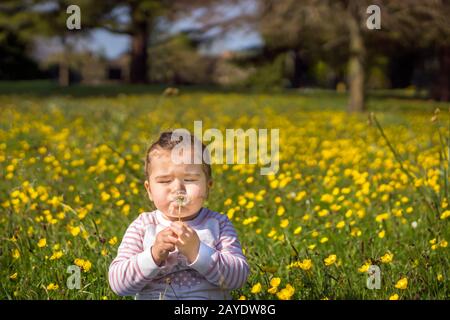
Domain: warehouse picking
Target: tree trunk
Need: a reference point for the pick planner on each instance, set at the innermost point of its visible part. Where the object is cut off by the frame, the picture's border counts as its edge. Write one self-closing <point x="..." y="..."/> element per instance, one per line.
<point x="63" y="68"/>
<point x="442" y="87"/>
<point x="139" y="56"/>
<point x="63" y="74"/>
<point x="356" y="65"/>
<point x="296" y="68"/>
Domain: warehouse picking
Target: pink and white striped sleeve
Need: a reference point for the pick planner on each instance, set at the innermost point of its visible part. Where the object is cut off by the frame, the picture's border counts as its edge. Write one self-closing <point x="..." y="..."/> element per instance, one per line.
<point x="225" y="265"/>
<point x="133" y="267"/>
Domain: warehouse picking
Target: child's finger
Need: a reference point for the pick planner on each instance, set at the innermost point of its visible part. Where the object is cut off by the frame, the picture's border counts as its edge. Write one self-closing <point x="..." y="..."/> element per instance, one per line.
<point x="171" y="239"/>
<point x="180" y="241"/>
<point x="168" y="232"/>
<point x="176" y="229"/>
<point x="169" y="247"/>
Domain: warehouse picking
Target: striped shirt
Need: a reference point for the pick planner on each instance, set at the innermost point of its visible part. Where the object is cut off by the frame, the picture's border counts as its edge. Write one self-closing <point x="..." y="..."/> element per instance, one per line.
<point x="219" y="267"/>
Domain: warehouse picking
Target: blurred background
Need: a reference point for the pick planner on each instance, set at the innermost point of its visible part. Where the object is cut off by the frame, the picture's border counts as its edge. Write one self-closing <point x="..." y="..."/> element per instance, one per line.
<point x="264" y="45"/>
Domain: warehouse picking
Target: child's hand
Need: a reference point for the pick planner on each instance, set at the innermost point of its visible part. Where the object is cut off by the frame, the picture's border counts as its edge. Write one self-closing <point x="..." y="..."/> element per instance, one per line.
<point x="188" y="241"/>
<point x="164" y="244"/>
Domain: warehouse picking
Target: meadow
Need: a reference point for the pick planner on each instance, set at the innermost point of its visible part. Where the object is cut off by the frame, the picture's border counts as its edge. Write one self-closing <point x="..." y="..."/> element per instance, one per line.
<point x="352" y="190"/>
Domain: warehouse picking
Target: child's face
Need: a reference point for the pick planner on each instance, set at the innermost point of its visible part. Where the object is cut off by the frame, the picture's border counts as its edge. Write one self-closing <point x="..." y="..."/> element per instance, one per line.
<point x="166" y="178"/>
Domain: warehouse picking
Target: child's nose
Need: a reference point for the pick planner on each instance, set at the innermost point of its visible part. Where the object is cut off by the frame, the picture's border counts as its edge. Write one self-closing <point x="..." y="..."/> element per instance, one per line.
<point x="178" y="185"/>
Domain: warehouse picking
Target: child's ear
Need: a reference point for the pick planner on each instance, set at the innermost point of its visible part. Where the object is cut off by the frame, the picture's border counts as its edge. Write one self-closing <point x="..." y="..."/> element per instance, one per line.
<point x="147" y="187"/>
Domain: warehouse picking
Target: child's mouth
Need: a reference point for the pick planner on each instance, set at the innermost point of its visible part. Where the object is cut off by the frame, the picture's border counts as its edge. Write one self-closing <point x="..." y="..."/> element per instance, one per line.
<point x="180" y="199"/>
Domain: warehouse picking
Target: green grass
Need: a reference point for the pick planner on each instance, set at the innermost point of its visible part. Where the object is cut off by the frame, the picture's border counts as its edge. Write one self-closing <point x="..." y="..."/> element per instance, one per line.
<point x="53" y="140"/>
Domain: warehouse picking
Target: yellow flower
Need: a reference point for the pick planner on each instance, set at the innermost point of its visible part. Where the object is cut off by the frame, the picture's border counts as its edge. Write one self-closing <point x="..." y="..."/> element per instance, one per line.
<point x="126" y="209"/>
<point x="75" y="231"/>
<point x="256" y="288"/>
<point x="42" y="243"/>
<point x="113" y="240"/>
<point x="381" y="234"/>
<point x="365" y="267"/>
<point x="284" y="223"/>
<point x="439" y="277"/>
<point x="330" y="260"/>
<point x="250" y="205"/>
<point x="393" y="297"/>
<point x="340" y="224"/>
<point x="87" y="265"/>
<point x="306" y="264"/>
<point x="443" y="243"/>
<point x="323" y="240"/>
<point x="242" y="298"/>
<point x="272" y="290"/>
<point x="274" y="184"/>
<point x="281" y="210"/>
<point x="84" y="264"/>
<point x="445" y="214"/>
<point x="355" y="232"/>
<point x="286" y="293"/>
<point x="381" y="217"/>
<point x="13" y="276"/>
<point x="104" y="252"/>
<point x="298" y="230"/>
<point x="120" y="178"/>
<point x="387" y="258"/>
<point x="52" y="286"/>
<point x="16" y="254"/>
<point x="105" y="196"/>
<point x="230" y="213"/>
<point x="56" y="255"/>
<point x="275" y="282"/>
<point x="402" y="283"/>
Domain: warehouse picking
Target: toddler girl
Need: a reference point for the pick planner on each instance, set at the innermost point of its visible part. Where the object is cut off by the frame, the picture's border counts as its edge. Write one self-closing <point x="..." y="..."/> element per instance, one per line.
<point x="181" y="250"/>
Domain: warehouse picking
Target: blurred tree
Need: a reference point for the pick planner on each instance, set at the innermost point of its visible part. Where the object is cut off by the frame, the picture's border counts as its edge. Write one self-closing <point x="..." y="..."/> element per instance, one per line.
<point x="320" y="27"/>
<point x="338" y="28"/>
<point x="177" y="61"/>
<point x="51" y="22"/>
<point x="142" y="19"/>
<point x="15" y="32"/>
<point x="291" y="27"/>
<point x="32" y="18"/>
<point x="418" y="26"/>
<point x="15" y="63"/>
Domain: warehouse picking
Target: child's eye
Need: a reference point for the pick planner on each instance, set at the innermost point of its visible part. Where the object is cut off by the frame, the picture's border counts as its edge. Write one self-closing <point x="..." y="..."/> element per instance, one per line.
<point x="190" y="180"/>
<point x="164" y="181"/>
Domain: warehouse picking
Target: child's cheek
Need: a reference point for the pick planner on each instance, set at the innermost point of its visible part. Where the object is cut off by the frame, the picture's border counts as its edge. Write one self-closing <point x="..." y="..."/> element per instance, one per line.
<point x="196" y="193"/>
<point x="161" y="199"/>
